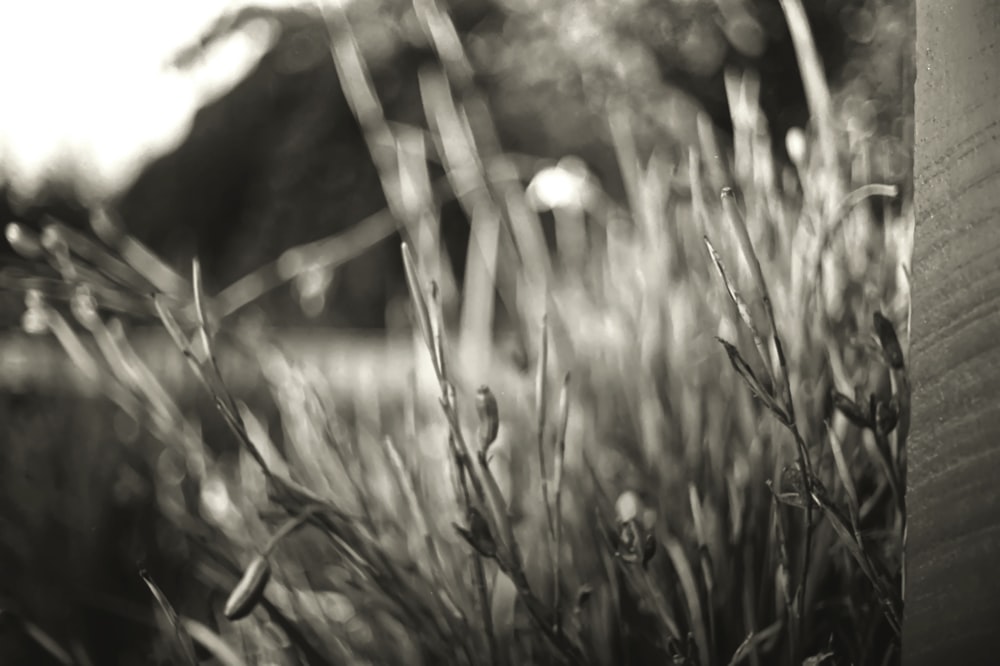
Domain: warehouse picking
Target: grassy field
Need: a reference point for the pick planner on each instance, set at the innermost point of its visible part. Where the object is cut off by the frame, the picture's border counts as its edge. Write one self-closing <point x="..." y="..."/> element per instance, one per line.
<point x="673" y="432"/>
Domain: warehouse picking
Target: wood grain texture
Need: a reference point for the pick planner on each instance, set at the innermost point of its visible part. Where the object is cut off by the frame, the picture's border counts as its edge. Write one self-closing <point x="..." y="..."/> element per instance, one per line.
<point x="953" y="553"/>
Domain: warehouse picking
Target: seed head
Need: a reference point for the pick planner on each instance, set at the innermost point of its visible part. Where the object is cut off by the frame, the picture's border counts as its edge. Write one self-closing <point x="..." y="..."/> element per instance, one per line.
<point x="886" y="416"/>
<point x="852" y="410"/>
<point x="489" y="417"/>
<point x="249" y="591"/>
<point x="478" y="534"/>
<point x="886" y="333"/>
<point x="627" y="507"/>
<point x="23" y="241"/>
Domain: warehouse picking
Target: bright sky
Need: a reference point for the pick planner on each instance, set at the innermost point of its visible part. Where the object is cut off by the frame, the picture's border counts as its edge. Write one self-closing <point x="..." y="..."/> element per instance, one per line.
<point x="86" y="89"/>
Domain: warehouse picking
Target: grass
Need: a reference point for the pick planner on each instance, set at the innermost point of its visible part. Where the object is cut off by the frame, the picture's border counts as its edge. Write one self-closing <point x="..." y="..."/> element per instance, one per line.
<point x="704" y="462"/>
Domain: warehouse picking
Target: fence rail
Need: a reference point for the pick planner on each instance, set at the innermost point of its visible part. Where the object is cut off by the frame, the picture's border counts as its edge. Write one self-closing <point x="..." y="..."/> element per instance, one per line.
<point x="349" y="362"/>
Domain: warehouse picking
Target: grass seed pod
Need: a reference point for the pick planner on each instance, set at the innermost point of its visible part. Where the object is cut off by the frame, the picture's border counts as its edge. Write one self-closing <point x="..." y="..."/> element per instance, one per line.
<point x="886" y="333"/>
<point x="248" y="592"/>
<point x="627" y="507"/>
<point x="886" y="416"/>
<point x="853" y="411"/>
<point x="478" y="534"/>
<point x="489" y="417"/>
<point x="23" y="241"/>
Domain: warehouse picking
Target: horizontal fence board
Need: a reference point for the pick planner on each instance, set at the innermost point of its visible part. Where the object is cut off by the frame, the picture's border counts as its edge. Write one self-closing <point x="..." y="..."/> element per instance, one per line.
<point x="350" y="363"/>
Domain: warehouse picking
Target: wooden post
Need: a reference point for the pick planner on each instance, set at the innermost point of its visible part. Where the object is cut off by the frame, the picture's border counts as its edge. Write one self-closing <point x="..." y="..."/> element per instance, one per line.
<point x="952" y="613"/>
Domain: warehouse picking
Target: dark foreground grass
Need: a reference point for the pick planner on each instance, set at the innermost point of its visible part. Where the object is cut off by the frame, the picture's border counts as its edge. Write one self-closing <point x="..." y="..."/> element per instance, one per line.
<point x="703" y="463"/>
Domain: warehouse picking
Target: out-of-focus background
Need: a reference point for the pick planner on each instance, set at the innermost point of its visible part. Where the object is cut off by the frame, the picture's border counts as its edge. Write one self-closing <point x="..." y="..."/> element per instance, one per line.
<point x="222" y="131"/>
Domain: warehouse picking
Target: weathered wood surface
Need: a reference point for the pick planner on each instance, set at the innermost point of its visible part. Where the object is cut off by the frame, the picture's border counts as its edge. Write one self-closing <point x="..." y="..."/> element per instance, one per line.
<point x="953" y="590"/>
